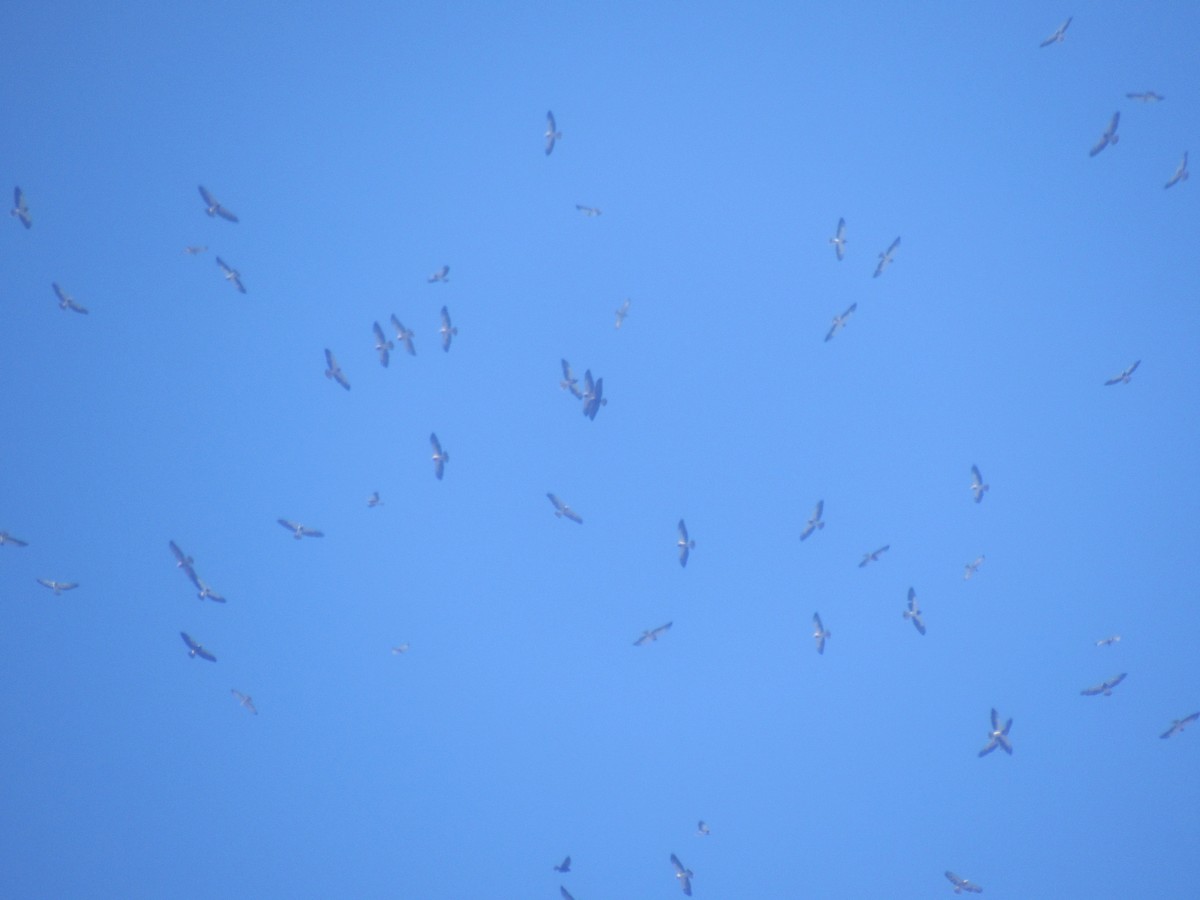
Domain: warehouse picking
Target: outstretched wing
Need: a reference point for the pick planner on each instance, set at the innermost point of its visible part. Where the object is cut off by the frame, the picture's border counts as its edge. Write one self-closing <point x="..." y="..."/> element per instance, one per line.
<point x="209" y="200"/>
<point x="288" y="524"/>
<point x="187" y="638"/>
<point x="382" y="344"/>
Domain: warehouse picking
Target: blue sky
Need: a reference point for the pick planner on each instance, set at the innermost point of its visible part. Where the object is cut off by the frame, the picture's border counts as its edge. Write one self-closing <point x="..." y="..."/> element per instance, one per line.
<point x="365" y="146"/>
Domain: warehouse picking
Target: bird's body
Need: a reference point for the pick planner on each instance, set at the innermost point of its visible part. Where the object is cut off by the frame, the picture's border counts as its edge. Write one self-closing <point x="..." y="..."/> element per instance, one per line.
<point x="820" y="635"/>
<point x="886" y="257"/>
<point x="244" y="700"/>
<point x="552" y="134"/>
<point x="1104" y="688"/>
<point x="374" y="500"/>
<point x="653" y="634"/>
<point x="1125" y="376"/>
<point x="440" y="456"/>
<point x="203" y="591"/>
<point x="683" y="874"/>
<point x="442" y="274"/>
<point x="972" y="567"/>
<point x="404" y="336"/>
<point x="874" y="555"/>
<point x="839" y="322"/>
<point x="299" y="531"/>
<point x="58" y="586"/>
<point x="913" y="612"/>
<point x="569" y="381"/>
<point x="1110" y="135"/>
<point x="1059" y="34"/>
<point x="447" y="331"/>
<point x="839" y="240"/>
<point x="622" y="312"/>
<point x="592" y="395"/>
<point x="66" y="301"/>
<point x="702" y="829"/>
<point x="382" y="345"/>
<point x="1181" y="173"/>
<point x="213" y="208"/>
<point x="564" y="866"/>
<point x="978" y="488"/>
<point x="334" y="371"/>
<point x="562" y="510"/>
<point x="232" y="275"/>
<point x="195" y="649"/>
<point x="684" y="544"/>
<point x="998" y="736"/>
<point x="962" y="884"/>
<point x="20" y="208"/>
<point x="814" y="522"/>
<point x="1178" y="725"/>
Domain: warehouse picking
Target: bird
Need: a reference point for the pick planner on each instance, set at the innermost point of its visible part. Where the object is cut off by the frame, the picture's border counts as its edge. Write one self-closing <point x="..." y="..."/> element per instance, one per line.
<point x="552" y="133"/>
<point x="1104" y="687"/>
<point x="873" y="556"/>
<point x="213" y="208"/>
<point x="569" y="381"/>
<point x="561" y="510"/>
<point x="440" y="456"/>
<point x="652" y="635"/>
<point x="334" y="371"/>
<point x="299" y="531"/>
<point x="839" y="240"/>
<point x="814" y="521"/>
<point x="66" y="301"/>
<point x="58" y="586"/>
<point x="442" y="274"/>
<point x="839" y="322"/>
<point x="21" y="208"/>
<point x="914" y="612"/>
<point x="182" y="560"/>
<point x="593" y="395"/>
<point x="447" y="331"/>
<point x="1181" y="173"/>
<point x="1110" y="135"/>
<point x="6" y="538"/>
<point x="1108" y="641"/>
<point x="1146" y="96"/>
<point x="1057" y="37"/>
<point x="374" y="500"/>
<point x="382" y="345"/>
<point x="702" y="829"/>
<point x="404" y="336"/>
<point x="244" y="700"/>
<point x="232" y="275"/>
<point x="194" y="249"/>
<point x="820" y="635"/>
<point x="885" y="258"/>
<point x="978" y="488"/>
<point x="564" y="866"/>
<point x="684" y="544"/>
<point x="973" y="567"/>
<point x="684" y="874"/>
<point x="622" y="312"/>
<point x="998" y="736"/>
<point x="1124" y="377"/>
<point x="590" y="211"/>
<point x="1179" y="724"/>
<point x="195" y="649"/>
<point x="203" y="591"/>
<point x="400" y="648"/>
<point x="961" y="884"/>
<point x="566" y="895"/>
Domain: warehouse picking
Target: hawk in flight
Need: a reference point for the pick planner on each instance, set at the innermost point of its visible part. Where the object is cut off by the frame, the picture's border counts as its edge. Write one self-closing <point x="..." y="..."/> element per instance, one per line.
<point x="232" y="275"/>
<point x="561" y="510"/>
<point x="1057" y="37"/>
<point x="382" y="345"/>
<point x="334" y="371"/>
<point x="1110" y="135"/>
<point x="299" y="531"/>
<point x="1124" y="377"/>
<point x="66" y="301"/>
<point x="914" y="612"/>
<point x="21" y="208"/>
<point x="58" y="586"/>
<point x="885" y="258"/>
<point x="820" y="635"/>
<point x="195" y="649"/>
<point x="404" y="336"/>
<point x="998" y="736"/>
<point x="684" y="544"/>
<point x="978" y="488"/>
<point x="447" y="331"/>
<point x="440" y="456"/>
<point x="244" y="700"/>
<point x="213" y="208"/>
<point x="839" y="322"/>
<point x="1179" y="724"/>
<point x="684" y="874"/>
<point x="1104" y="687"/>
<point x="1181" y="173"/>
<point x="839" y="240"/>
<point x="552" y="133"/>
<point x="652" y="635"/>
<point x="962" y="884"/>
<point x="814" y="521"/>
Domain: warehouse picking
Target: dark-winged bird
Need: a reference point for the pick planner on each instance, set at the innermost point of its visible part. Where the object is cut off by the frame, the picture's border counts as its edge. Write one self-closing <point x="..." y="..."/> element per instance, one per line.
<point x="299" y="531"/>
<point x="820" y="635"/>
<point x="6" y="538"/>
<point x="1179" y="724"/>
<point x="334" y="371"/>
<point x="622" y="312"/>
<point x="1146" y="96"/>
<point x="962" y="884"/>
<point x="702" y="829"/>
<point x="66" y="301"/>
<point x="590" y="211"/>
<point x="593" y="395"/>
<point x="564" y="893"/>
<point x="1057" y="37"/>
<point x="440" y="456"/>
<point x="1110" y="135"/>
<point x="885" y="258"/>
<point x="1104" y="687"/>
<point x="914" y="612"/>
<point x="404" y="336"/>
<point x="839" y="322"/>
<point x="203" y="591"/>
<point x="244" y="700"/>
<point x="684" y="874"/>
<point x="998" y="736"/>
<point x="1181" y="173"/>
<point x="232" y="275"/>
<point x="839" y="240"/>
<point x="973" y="567"/>
<point x="552" y="133"/>
<point x="400" y="648"/>
<point x="569" y="381"/>
<point x="58" y="586"/>
<point x="652" y="635"/>
<point x="561" y="510"/>
<point x="447" y="331"/>
<point x="564" y="866"/>
<point x="442" y="274"/>
<point x="382" y="345"/>
<point x="194" y="249"/>
<point x="195" y="649"/>
<point x="1108" y="641"/>
<point x="977" y="486"/>
<point x="1124" y="377"/>
<point x="182" y="560"/>
<point x="874" y="555"/>
<point x="213" y="208"/>
<point x="814" y="521"/>
<point x="684" y="544"/>
<point x="21" y="208"/>
<point x="374" y="500"/>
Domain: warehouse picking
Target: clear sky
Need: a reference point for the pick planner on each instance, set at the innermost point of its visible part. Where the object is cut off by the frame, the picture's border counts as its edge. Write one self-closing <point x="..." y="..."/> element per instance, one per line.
<point x="363" y="146"/>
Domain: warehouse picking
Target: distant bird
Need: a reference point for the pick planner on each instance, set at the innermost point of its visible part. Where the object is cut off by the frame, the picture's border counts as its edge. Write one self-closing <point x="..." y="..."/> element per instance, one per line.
<point x="299" y="531"/>
<point x="652" y="635"/>
<point x="6" y="538"/>
<point x="998" y="736"/>
<point x="978" y="488"/>
<point x="232" y="275"/>
<point x="404" y="336"/>
<point x="1104" y="687"/>
<point x="702" y="829"/>
<point x="874" y="555"/>
<point x="21" y="208"/>
<point x="885" y="258"/>
<point x="1110" y="135"/>
<point x="244" y="700"/>
<point x="561" y="510"/>
<point x="213" y="208"/>
<point x="442" y="274"/>
<point x="569" y="381"/>
<point x="839" y="322"/>
<point x="440" y="456"/>
<point x="566" y="895"/>
<point x="814" y="521"/>
<point x="195" y="649"/>
<point x="182" y="560"/>
<point x="552" y="133"/>
<point x="622" y="312"/>
<point x="684" y="544"/>
<point x="66" y="301"/>
<point x="839" y="240"/>
<point x="1108" y="641"/>
<point x="446" y="331"/>
<point x="820" y="635"/>
<point x="334" y="371"/>
<point x="973" y="567"/>
<point x="1124" y="377"/>
<point x="593" y="395"/>
<point x="382" y="345"/>
<point x="203" y="591"/>
<point x="684" y="874"/>
<point x="400" y="648"/>
<point x="1181" y="173"/>
<point x="564" y="866"/>
<point x="1179" y="724"/>
<point x="58" y="586"/>
<point x="914" y="612"/>
<point x="961" y="884"/>
<point x="374" y="500"/>
<point x="590" y="211"/>
<point x="193" y="249"/>
<point x="1057" y="37"/>
<point x="1146" y="96"/>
